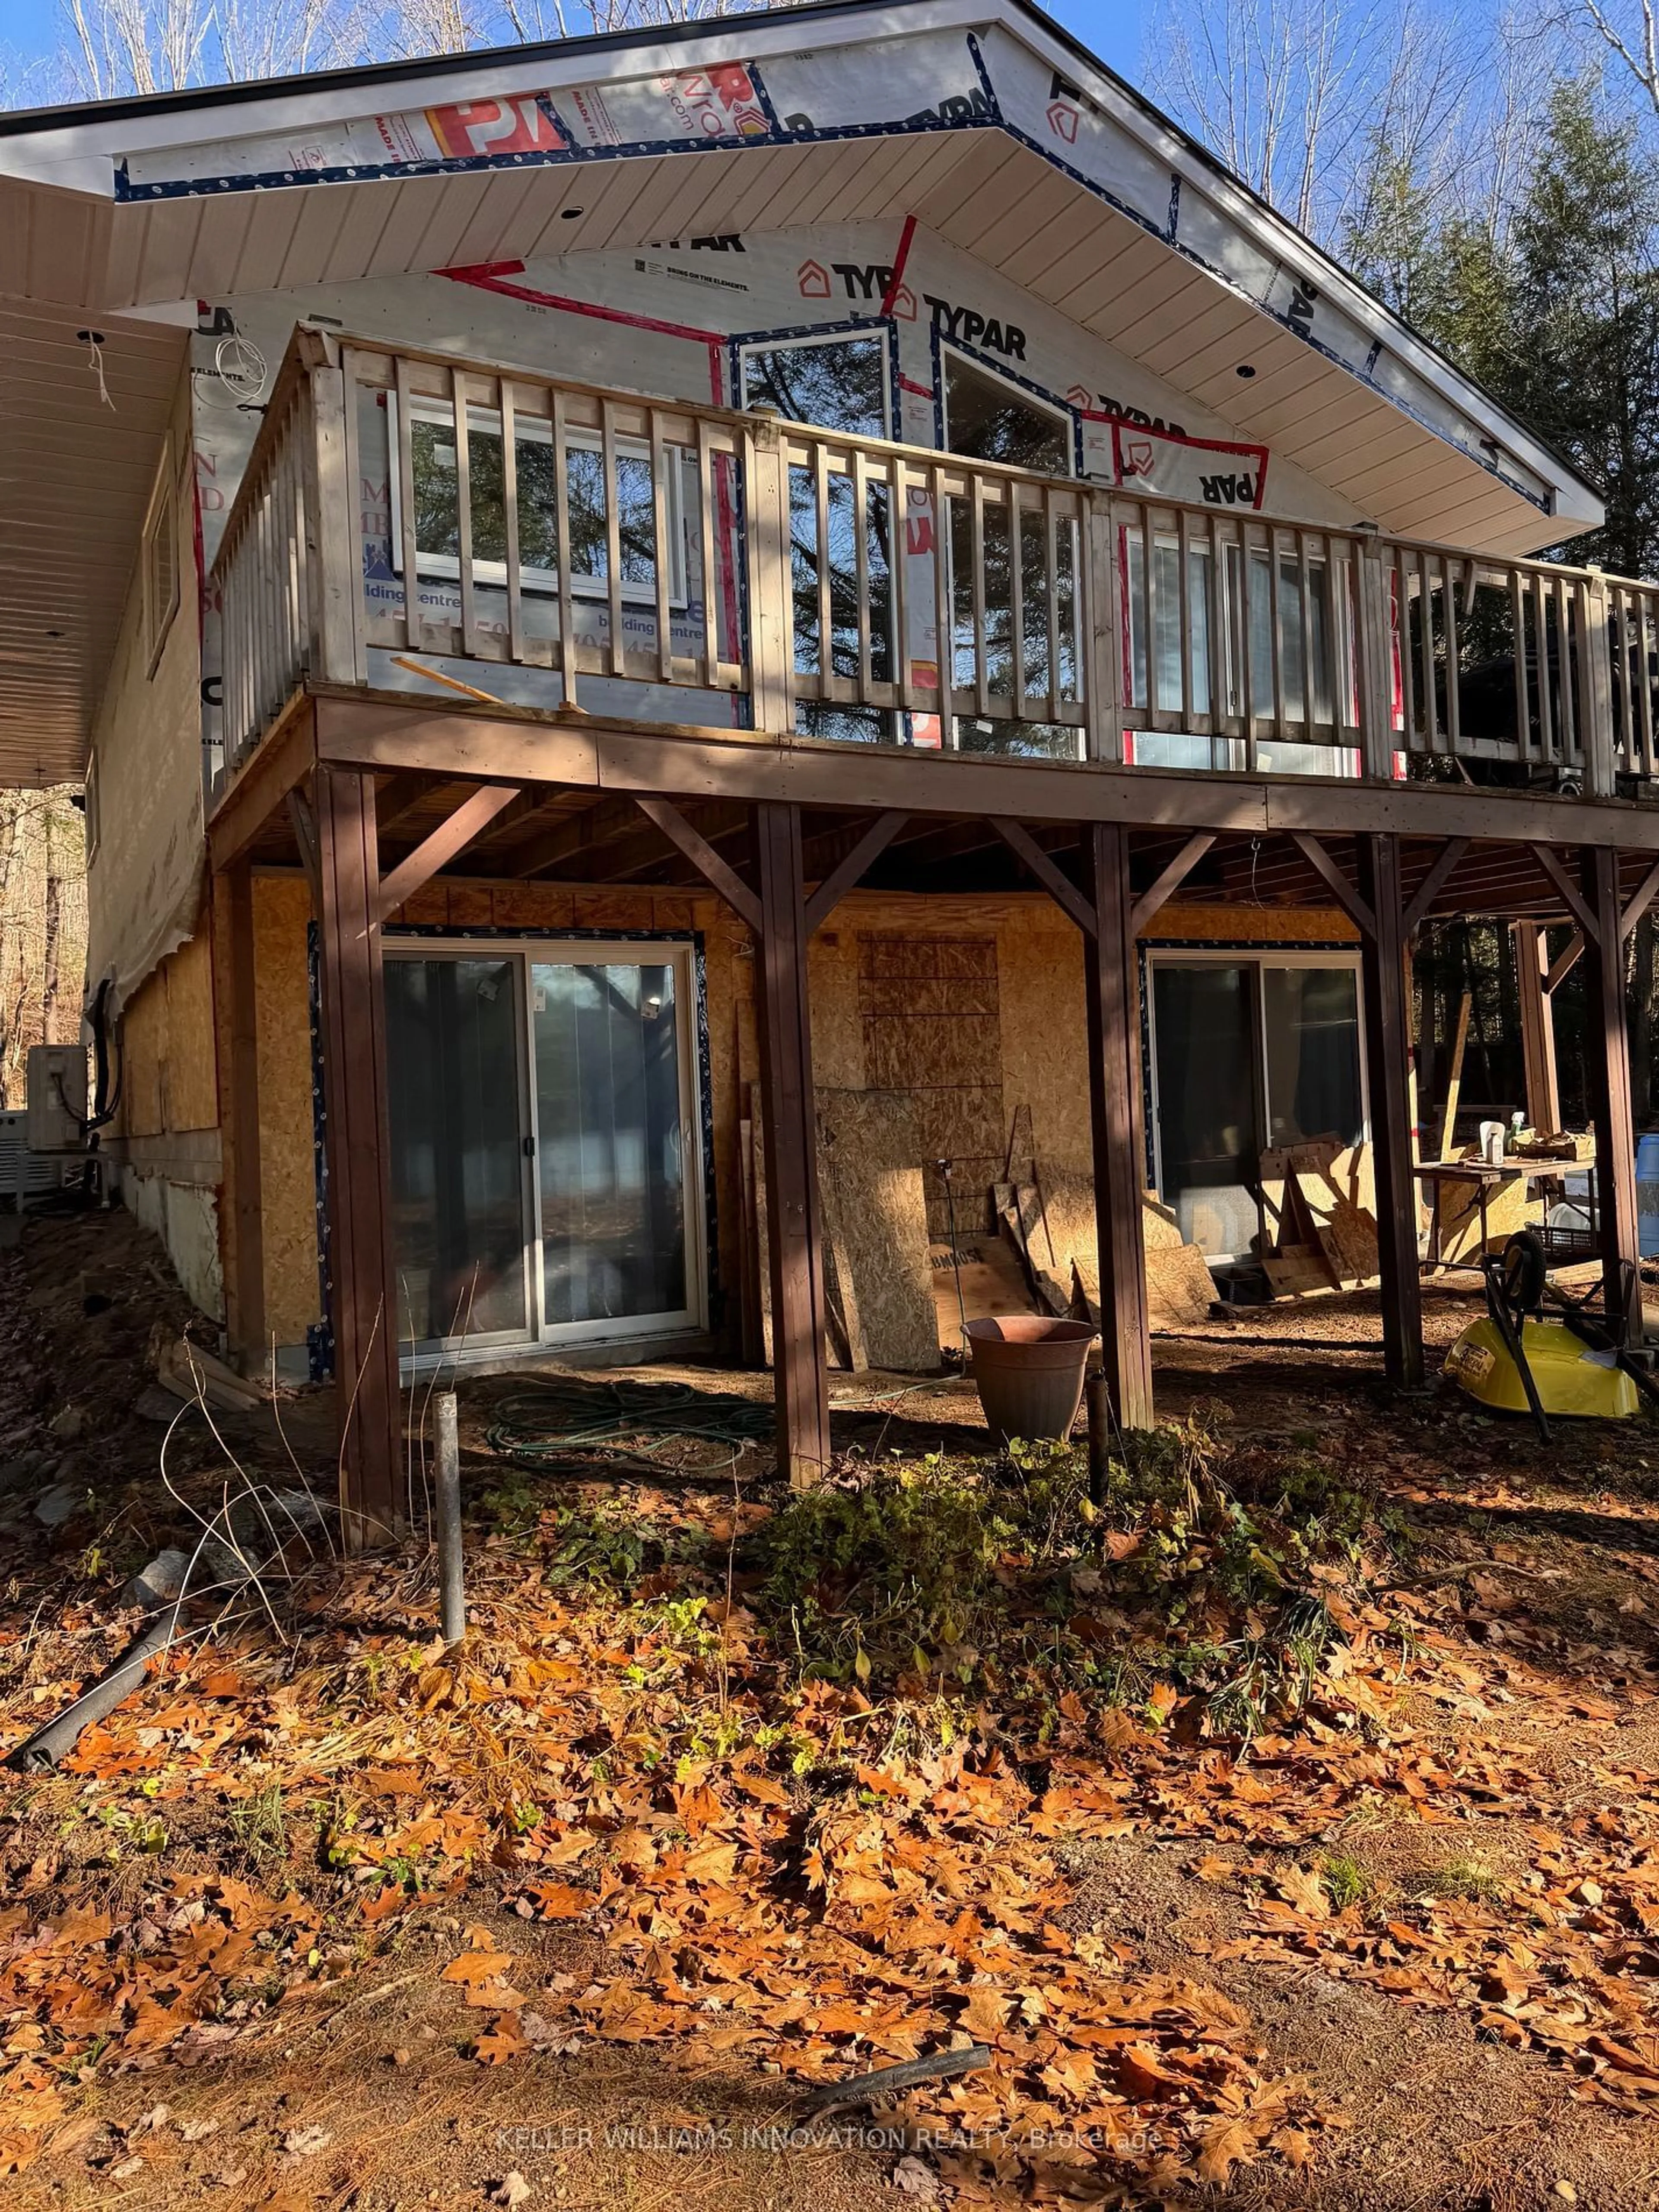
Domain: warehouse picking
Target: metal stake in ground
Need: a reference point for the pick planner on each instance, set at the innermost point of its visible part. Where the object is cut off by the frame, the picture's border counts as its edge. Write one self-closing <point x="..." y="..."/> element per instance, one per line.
<point x="944" y="1167"/>
<point x="452" y="1594"/>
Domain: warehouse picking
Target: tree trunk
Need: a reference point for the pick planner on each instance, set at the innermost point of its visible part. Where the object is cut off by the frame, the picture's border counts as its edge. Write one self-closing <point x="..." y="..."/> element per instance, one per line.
<point x="49" y="950"/>
<point x="11" y="935"/>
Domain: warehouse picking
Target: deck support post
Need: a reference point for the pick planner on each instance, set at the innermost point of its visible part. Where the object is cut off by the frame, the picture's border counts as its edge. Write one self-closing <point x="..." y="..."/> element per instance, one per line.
<point x="232" y="921"/>
<point x="363" y="1282"/>
<point x="1606" y="1059"/>
<point x="789" y="1125"/>
<point x="1387" y="1055"/>
<point x="1114" y="1109"/>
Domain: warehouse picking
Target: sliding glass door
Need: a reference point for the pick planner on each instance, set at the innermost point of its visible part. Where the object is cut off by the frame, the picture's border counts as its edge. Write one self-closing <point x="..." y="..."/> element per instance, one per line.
<point x="1251" y="1051"/>
<point x="457" y="1185"/>
<point x="1207" y="1128"/>
<point x="613" y="1140"/>
<point x="545" y="1169"/>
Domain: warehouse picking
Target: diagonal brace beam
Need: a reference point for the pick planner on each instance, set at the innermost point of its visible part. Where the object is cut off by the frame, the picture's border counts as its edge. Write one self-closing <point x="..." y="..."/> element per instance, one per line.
<point x="1638" y="902"/>
<point x="841" y="879"/>
<point x="1159" y="893"/>
<point x="1564" y="961"/>
<point x="718" y="874"/>
<point x="452" y="835"/>
<point x="1571" y="896"/>
<point x="1434" y="883"/>
<point x="1358" y="909"/>
<point x="1053" y="880"/>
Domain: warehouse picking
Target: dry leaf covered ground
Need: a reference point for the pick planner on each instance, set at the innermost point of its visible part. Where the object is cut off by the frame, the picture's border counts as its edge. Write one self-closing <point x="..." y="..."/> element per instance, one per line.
<point x="1285" y="1832"/>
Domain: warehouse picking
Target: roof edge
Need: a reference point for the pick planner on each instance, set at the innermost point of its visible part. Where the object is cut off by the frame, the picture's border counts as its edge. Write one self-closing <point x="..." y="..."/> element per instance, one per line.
<point x="879" y="19"/>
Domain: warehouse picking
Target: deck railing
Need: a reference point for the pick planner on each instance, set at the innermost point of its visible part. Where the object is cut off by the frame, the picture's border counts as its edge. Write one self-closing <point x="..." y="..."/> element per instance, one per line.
<point x="261" y="612"/>
<point x="405" y="514"/>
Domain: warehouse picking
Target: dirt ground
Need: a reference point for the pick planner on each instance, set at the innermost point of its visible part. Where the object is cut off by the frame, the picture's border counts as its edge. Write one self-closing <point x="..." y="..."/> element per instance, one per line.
<point x="282" y="1934"/>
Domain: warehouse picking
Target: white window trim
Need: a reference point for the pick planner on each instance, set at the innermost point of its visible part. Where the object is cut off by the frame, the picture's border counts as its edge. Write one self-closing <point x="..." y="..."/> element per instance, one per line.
<point x="541" y="1338"/>
<point x="531" y="430"/>
<point x="161" y="519"/>
<point x="793" y="344"/>
<point x="1035" y="401"/>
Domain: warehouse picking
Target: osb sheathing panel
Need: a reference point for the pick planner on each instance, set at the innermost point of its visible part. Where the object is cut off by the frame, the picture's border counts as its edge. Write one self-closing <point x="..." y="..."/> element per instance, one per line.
<point x="832" y="985"/>
<point x="868" y="1143"/>
<point x="1042" y="1060"/>
<point x="1249" y="924"/>
<point x="1045" y="1045"/>
<point x="169" y="1080"/>
<point x="143" y="1047"/>
<point x="190" y="1100"/>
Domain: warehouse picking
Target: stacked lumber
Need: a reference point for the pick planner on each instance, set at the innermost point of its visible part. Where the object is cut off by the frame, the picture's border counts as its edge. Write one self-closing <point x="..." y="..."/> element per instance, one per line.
<point x="1320" y="1203"/>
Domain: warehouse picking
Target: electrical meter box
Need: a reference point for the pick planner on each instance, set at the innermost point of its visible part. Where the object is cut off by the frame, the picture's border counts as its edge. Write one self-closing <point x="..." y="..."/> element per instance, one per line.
<point x="58" y="1097"/>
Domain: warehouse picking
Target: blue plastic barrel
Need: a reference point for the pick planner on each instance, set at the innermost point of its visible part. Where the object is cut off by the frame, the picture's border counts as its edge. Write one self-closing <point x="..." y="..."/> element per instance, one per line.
<point x="1647" y="1192"/>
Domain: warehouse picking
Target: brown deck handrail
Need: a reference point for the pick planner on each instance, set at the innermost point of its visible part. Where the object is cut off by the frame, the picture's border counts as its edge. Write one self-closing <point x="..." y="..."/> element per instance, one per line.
<point x="830" y="585"/>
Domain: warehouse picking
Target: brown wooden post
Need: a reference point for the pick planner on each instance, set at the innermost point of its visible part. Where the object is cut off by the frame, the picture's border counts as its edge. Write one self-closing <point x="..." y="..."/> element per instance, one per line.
<point x="1537" y="1029"/>
<point x="788" y="1120"/>
<point x="1606" y="1063"/>
<point x="1387" y="1055"/>
<point x="233" y="912"/>
<point x="362" y="1298"/>
<point x="1119" y="1151"/>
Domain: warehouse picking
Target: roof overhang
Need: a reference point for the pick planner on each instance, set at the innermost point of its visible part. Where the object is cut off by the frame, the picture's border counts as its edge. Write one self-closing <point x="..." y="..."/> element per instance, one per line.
<point x="983" y="122"/>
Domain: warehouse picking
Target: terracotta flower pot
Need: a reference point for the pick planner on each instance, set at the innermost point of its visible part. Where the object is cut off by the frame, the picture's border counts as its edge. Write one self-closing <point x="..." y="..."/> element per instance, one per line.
<point x="1028" y="1372"/>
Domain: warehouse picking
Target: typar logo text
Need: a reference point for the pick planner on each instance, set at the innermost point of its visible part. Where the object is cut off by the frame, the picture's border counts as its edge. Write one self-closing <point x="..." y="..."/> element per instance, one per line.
<point x="523" y="124"/>
<point x="1065" y="98"/>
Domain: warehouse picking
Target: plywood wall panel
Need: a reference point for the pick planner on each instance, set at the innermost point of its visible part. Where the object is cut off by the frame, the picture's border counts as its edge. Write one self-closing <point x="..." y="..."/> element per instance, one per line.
<point x="191" y="1099"/>
<point x="143" y="1047"/>
<point x="833" y="992"/>
<point x="1247" y="923"/>
<point x="1045" y="1063"/>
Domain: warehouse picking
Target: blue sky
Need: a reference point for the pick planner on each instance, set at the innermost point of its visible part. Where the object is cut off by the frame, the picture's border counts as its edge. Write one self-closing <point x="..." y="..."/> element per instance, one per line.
<point x="31" y="28"/>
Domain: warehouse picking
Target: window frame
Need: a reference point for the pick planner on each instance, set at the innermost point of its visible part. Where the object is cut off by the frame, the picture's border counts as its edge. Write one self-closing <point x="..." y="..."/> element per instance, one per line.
<point x="541" y="1338"/>
<point x="535" y="429"/>
<point x="1231" y="597"/>
<point x="1039" y="404"/>
<point x="1256" y="958"/>
<point x="160" y="536"/>
<point x="791" y="342"/>
<point x="799" y="342"/>
<point x="1066" y="418"/>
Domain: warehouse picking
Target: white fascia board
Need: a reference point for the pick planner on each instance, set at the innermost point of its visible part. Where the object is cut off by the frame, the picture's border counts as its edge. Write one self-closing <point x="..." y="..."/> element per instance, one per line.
<point x="82" y="156"/>
<point x="92" y="148"/>
<point x="1285" y="244"/>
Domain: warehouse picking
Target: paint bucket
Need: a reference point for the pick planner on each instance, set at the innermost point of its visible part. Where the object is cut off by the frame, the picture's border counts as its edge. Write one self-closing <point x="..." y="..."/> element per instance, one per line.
<point x="1647" y="1193"/>
<point x="1028" y="1372"/>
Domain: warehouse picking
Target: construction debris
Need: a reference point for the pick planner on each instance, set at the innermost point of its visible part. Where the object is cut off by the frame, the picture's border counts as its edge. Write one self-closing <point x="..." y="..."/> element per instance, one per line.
<point x="195" y="1374"/>
<point x="1049" y="1220"/>
<point x="1319" y="1201"/>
